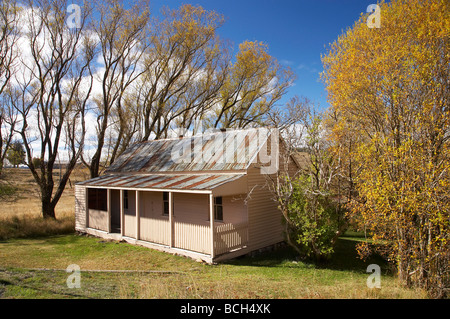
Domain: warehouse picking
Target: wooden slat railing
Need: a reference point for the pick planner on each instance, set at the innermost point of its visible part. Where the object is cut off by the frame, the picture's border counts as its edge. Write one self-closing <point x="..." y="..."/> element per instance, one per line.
<point x="229" y="237"/>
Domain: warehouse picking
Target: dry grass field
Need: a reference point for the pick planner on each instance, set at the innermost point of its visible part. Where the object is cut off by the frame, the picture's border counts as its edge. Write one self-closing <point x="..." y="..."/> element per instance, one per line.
<point x="20" y="209"/>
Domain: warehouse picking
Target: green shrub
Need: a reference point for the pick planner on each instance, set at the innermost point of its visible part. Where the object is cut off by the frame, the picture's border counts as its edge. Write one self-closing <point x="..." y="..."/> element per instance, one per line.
<point x="315" y="222"/>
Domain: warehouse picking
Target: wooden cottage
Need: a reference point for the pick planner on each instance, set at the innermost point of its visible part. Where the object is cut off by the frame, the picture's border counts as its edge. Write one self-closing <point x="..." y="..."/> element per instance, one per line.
<point x="205" y="196"/>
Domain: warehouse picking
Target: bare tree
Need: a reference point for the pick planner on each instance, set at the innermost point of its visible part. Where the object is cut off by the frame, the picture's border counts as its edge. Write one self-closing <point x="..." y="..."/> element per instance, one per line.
<point x="185" y="69"/>
<point x="9" y="34"/>
<point x="9" y="18"/>
<point x="122" y="40"/>
<point x="53" y="90"/>
<point x="8" y="121"/>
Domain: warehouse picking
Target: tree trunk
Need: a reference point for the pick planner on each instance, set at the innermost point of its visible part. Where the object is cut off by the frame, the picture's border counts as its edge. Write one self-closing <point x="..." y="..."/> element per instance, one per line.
<point x="94" y="166"/>
<point x="48" y="208"/>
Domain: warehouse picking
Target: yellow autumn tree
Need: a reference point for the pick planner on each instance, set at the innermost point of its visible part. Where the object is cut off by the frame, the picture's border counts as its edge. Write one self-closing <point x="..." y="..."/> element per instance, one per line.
<point x="389" y="91"/>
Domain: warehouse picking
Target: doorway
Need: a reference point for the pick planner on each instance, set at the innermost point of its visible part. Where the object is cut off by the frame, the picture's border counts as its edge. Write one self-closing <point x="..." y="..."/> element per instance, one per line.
<point x="115" y="211"/>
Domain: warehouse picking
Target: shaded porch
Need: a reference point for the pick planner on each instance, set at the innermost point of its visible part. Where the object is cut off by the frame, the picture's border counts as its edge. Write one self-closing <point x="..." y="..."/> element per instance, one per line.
<point x="203" y="224"/>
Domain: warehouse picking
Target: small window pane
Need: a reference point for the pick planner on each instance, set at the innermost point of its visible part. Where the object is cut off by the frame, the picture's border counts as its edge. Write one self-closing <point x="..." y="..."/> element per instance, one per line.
<point x="218" y="200"/>
<point x="166" y="203"/>
<point x="97" y="199"/>
<point x="218" y="208"/>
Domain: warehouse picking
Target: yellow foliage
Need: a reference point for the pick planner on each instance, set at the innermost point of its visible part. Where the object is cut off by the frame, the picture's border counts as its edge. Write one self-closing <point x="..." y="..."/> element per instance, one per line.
<point x="390" y="119"/>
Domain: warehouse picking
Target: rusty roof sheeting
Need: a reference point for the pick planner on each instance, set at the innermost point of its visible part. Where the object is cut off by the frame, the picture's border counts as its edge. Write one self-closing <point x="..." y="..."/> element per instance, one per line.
<point x="169" y="181"/>
<point x="222" y="151"/>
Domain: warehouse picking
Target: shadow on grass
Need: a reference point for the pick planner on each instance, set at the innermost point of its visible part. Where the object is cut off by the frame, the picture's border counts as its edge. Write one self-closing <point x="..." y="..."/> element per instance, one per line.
<point x="345" y="258"/>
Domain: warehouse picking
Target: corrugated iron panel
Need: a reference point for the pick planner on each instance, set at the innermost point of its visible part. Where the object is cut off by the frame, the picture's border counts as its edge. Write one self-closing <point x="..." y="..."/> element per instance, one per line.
<point x="223" y="151"/>
<point x="182" y="181"/>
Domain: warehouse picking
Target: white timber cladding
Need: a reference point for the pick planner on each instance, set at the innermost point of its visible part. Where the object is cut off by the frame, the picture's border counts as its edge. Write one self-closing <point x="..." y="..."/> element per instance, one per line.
<point x="130" y="215"/>
<point x="191" y="226"/>
<point x="80" y="208"/>
<point x="154" y="226"/>
<point x="264" y="218"/>
<point x="98" y="219"/>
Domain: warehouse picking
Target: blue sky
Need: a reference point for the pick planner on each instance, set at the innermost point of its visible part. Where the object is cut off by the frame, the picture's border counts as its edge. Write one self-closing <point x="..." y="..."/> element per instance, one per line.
<point x="296" y="31"/>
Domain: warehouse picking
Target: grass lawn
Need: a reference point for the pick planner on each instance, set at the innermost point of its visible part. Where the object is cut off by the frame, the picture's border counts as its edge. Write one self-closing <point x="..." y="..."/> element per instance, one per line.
<point x="160" y="275"/>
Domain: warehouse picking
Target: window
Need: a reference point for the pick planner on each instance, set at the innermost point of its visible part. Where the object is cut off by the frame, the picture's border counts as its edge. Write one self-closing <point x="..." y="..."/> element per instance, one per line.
<point x="218" y="209"/>
<point x="166" y="203"/>
<point x="125" y="199"/>
<point x="97" y="199"/>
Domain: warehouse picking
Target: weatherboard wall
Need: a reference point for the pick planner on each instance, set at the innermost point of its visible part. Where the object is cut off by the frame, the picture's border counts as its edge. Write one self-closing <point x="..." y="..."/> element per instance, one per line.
<point x="264" y="217"/>
<point x="80" y="208"/>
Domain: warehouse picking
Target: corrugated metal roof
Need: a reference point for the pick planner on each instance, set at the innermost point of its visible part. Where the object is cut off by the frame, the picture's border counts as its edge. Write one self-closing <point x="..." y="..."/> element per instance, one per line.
<point x="169" y="181"/>
<point x="222" y="151"/>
